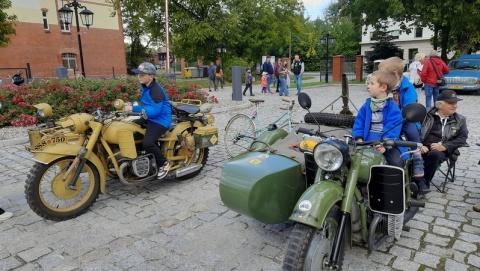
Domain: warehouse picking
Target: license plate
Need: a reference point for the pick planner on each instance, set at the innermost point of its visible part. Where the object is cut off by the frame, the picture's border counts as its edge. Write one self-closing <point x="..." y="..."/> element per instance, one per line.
<point x="456" y="87"/>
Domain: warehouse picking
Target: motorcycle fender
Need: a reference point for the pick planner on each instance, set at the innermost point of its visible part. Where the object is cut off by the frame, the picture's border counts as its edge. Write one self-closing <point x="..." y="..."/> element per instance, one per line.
<point x="313" y="206"/>
<point x="50" y="154"/>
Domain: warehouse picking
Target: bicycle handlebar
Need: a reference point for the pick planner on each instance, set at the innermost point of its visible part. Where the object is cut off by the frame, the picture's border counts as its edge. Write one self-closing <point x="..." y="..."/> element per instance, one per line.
<point x="391" y="143"/>
<point x="287" y="100"/>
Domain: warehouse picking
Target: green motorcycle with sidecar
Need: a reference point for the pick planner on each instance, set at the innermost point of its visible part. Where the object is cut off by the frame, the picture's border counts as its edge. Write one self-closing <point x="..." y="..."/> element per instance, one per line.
<point x="336" y="190"/>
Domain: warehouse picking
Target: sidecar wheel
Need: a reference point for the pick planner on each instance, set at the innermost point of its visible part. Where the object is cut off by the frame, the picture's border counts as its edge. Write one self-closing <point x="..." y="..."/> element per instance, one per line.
<point x="309" y="248"/>
<point x="48" y="195"/>
<point x="330" y="119"/>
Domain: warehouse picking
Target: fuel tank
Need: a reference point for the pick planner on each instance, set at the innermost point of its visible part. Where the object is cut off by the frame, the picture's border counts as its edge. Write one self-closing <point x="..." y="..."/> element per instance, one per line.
<point x="262" y="186"/>
<point x="369" y="158"/>
<point x="111" y="131"/>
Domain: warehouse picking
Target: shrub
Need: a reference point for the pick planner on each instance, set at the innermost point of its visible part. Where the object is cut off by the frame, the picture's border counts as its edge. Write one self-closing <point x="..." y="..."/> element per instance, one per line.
<point x="74" y="96"/>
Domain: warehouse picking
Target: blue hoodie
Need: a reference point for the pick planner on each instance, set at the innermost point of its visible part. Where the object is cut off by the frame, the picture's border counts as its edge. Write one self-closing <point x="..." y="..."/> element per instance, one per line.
<point x="155" y="102"/>
<point x="391" y="117"/>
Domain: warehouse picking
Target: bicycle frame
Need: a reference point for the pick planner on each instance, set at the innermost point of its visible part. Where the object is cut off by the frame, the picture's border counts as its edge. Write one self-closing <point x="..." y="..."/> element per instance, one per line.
<point x="282" y="121"/>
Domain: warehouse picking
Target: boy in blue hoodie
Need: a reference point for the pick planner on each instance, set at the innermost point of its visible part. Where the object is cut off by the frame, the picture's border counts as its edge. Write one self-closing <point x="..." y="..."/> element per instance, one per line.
<point x="155" y="102"/>
<point x="378" y="115"/>
<point x="404" y="93"/>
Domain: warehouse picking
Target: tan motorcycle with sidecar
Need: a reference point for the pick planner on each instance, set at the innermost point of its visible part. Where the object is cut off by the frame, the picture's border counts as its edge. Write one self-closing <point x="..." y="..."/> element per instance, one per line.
<point x="75" y="155"/>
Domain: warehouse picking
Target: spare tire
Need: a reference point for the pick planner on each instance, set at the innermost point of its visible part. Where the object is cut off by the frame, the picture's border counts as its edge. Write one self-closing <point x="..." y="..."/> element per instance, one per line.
<point x="330" y="119"/>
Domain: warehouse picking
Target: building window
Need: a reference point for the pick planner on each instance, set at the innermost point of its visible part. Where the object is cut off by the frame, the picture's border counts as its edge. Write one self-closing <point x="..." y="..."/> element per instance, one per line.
<point x="395" y="34"/>
<point x="69" y="60"/>
<point x="371" y="35"/>
<point x="46" y="26"/>
<point x="65" y="27"/>
<point x="418" y="32"/>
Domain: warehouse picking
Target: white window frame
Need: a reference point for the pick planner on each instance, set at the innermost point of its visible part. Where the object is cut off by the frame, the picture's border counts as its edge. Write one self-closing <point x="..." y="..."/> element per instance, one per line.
<point x="46" y="25"/>
<point x="67" y="58"/>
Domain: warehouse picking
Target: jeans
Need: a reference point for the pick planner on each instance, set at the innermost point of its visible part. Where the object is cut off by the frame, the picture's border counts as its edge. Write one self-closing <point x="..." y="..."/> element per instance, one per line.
<point x="298" y="81"/>
<point x="283" y="86"/>
<point x="269" y="81"/>
<point x="431" y="161"/>
<point x="429" y="92"/>
<point x="393" y="157"/>
<point x="218" y="79"/>
<point x="210" y="81"/>
<point x="278" y="83"/>
<point x="248" y="86"/>
<point x="411" y="132"/>
<point x="152" y="133"/>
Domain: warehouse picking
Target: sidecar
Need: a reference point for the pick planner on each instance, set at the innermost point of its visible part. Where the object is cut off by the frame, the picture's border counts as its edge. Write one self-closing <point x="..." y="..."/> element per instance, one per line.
<point x="266" y="182"/>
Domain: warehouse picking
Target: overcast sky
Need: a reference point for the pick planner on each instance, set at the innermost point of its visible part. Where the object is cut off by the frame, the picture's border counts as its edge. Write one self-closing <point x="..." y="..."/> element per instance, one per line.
<point x="315" y="8"/>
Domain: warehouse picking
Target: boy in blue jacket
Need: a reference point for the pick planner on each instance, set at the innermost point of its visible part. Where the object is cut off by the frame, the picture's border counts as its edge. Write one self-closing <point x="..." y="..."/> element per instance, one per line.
<point x="155" y="102"/>
<point x="378" y="115"/>
<point x="404" y="93"/>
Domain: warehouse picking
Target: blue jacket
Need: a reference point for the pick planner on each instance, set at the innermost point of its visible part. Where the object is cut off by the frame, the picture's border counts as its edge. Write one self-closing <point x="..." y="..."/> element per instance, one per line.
<point x="391" y="116"/>
<point x="155" y="102"/>
<point x="267" y="67"/>
<point x="408" y="95"/>
<point x="211" y="71"/>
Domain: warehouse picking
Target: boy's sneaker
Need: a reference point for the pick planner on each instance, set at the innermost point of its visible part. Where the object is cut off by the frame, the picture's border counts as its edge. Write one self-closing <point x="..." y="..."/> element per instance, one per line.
<point x="418" y="166"/>
<point x="163" y="170"/>
<point x="5" y="216"/>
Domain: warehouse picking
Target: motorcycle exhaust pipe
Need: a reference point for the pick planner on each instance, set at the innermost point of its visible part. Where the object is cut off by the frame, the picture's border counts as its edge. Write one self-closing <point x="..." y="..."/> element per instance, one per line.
<point x="416" y="203"/>
<point x="187" y="170"/>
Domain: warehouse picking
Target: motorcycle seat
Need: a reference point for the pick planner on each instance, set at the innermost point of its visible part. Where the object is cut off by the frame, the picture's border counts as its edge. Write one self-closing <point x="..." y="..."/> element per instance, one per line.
<point x="190" y="109"/>
<point x="256" y="101"/>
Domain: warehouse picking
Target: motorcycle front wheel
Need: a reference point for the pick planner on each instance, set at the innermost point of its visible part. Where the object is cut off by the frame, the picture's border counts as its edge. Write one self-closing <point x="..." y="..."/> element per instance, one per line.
<point x="309" y="248"/>
<point x="48" y="195"/>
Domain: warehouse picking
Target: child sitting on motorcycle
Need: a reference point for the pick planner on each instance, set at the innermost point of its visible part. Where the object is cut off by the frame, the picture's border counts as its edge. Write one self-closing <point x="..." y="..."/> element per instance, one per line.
<point x="155" y="102"/>
<point x="404" y="93"/>
<point x="378" y="115"/>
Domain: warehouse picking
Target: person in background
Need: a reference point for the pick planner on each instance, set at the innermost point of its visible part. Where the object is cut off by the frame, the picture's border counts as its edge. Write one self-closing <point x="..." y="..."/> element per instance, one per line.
<point x="413" y="69"/>
<point x="429" y="77"/>
<point x="298" y="67"/>
<point x="248" y="82"/>
<point x="264" y="82"/>
<point x="283" y="73"/>
<point x="211" y="75"/>
<point x="154" y="101"/>
<point x="4" y="215"/>
<point x="404" y="93"/>
<point x="268" y="67"/>
<point x="275" y="72"/>
<point x="218" y="77"/>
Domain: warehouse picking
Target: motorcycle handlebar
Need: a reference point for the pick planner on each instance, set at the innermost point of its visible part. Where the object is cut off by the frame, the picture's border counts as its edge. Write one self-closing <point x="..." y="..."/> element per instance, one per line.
<point x="310" y="132"/>
<point x="391" y="143"/>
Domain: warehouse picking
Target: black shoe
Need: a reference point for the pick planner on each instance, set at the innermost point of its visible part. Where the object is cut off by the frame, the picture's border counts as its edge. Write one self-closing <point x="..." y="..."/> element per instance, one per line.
<point x="244" y="94"/>
<point x="423" y="188"/>
<point x="163" y="170"/>
<point x="210" y="90"/>
<point x="252" y="95"/>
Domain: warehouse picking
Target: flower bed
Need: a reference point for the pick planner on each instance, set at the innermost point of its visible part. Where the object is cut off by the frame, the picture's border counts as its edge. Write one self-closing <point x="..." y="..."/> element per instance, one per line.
<point x="74" y="96"/>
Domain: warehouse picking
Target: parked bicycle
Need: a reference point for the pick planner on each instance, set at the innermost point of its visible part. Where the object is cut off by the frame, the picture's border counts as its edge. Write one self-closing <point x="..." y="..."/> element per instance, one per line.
<point x="242" y="130"/>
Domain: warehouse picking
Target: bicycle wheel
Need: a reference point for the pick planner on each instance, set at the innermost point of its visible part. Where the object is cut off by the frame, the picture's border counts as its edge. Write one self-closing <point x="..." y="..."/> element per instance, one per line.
<point x="239" y="134"/>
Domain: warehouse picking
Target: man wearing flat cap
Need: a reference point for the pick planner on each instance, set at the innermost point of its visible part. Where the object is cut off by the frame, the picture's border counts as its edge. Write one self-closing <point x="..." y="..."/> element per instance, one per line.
<point x="442" y="133"/>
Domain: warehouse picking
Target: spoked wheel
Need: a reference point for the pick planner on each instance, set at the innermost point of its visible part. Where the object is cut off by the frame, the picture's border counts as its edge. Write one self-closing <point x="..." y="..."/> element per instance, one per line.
<point x="309" y="248"/>
<point x="48" y="195"/>
<point x="240" y="132"/>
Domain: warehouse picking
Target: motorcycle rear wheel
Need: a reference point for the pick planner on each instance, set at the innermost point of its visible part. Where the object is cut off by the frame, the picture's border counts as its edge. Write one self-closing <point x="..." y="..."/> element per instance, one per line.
<point x="48" y="196"/>
<point x="309" y="248"/>
<point x="240" y="132"/>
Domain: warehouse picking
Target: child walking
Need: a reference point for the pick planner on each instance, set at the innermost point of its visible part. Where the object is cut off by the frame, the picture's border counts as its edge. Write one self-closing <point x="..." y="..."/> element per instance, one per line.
<point x="264" y="82"/>
<point x="248" y="82"/>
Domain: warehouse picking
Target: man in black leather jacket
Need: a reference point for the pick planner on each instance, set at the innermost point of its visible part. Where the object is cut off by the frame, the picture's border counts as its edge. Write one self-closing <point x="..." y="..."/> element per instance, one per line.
<point x="442" y="133"/>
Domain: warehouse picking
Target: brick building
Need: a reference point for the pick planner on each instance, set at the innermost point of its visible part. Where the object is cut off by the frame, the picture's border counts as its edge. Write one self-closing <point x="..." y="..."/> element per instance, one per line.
<point x="45" y="42"/>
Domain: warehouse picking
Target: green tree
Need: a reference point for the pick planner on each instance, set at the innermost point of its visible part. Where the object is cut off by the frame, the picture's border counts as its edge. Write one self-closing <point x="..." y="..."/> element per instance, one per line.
<point x="453" y="22"/>
<point x="6" y="23"/>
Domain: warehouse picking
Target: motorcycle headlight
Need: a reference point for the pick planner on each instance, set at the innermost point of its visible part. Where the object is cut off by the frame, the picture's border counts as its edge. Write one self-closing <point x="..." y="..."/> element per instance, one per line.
<point x="44" y="110"/>
<point x="118" y="104"/>
<point x="330" y="155"/>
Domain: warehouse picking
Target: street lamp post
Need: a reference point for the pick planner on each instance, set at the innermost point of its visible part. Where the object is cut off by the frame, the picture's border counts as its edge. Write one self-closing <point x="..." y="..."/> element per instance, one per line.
<point x="87" y="20"/>
<point x="325" y="40"/>
<point x="221" y="49"/>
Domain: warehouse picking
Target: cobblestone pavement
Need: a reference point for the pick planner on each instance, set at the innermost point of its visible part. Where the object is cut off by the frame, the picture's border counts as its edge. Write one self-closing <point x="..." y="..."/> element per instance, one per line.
<point x="171" y="225"/>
